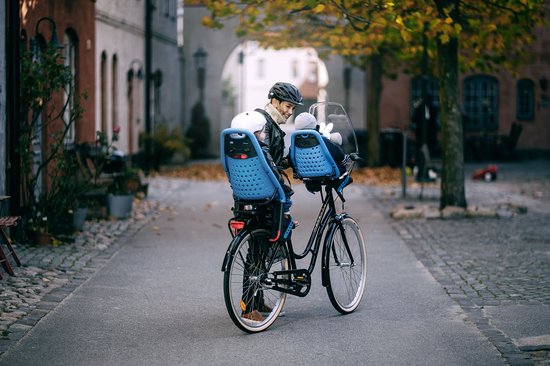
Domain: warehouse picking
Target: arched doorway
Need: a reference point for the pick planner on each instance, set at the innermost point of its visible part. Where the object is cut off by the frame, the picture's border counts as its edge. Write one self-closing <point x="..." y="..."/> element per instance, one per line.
<point x="223" y="83"/>
<point x="250" y="71"/>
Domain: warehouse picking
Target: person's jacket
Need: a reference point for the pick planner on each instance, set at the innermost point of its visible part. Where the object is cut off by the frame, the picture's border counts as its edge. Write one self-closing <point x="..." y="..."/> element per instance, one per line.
<point x="275" y="139"/>
<point x="286" y="188"/>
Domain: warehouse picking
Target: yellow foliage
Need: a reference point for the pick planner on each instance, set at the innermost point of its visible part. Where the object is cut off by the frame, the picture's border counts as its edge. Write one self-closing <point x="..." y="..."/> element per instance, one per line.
<point x="444" y="38"/>
<point x="319" y="8"/>
<point x="207" y="21"/>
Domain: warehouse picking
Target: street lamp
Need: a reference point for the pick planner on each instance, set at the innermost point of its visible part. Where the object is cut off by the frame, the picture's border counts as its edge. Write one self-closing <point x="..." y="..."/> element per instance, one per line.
<point x="199" y="57"/>
<point x="135" y="69"/>
<point x="54" y="40"/>
<point x="347" y="86"/>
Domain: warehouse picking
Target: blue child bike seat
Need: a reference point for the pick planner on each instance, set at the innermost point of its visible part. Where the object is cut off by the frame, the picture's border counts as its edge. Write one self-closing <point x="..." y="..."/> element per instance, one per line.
<point x="310" y="157"/>
<point x="246" y="167"/>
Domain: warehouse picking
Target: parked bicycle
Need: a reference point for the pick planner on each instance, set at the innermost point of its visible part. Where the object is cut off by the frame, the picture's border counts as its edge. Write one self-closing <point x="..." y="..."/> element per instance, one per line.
<point x="259" y="271"/>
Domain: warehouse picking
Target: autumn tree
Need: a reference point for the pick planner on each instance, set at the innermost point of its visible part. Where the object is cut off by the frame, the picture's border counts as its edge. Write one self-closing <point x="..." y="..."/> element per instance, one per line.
<point x="357" y="30"/>
<point x="468" y="35"/>
<point x="462" y="35"/>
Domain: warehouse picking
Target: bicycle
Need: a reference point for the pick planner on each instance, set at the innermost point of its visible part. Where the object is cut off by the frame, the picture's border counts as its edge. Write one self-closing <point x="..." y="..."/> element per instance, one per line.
<point x="260" y="263"/>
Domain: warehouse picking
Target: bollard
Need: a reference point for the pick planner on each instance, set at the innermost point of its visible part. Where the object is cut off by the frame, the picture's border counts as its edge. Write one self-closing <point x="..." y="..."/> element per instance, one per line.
<point x="404" y="166"/>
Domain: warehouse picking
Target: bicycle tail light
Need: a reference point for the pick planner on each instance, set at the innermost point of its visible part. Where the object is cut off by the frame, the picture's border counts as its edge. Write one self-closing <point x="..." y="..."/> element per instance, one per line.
<point x="236" y="226"/>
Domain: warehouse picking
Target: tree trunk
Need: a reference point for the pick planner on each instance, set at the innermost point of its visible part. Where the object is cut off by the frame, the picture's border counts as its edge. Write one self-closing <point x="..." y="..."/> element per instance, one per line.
<point x="452" y="175"/>
<point x="374" y="91"/>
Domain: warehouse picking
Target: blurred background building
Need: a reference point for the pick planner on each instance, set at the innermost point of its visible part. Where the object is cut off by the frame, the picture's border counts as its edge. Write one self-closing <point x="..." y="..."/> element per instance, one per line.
<point x="148" y="62"/>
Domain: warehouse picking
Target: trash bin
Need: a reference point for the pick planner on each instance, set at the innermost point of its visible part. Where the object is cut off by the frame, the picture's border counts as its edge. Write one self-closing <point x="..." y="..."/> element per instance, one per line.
<point x="391" y="147"/>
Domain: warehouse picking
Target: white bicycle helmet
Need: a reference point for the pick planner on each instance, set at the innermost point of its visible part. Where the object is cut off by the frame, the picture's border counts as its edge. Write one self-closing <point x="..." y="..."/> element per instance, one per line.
<point x="251" y="121"/>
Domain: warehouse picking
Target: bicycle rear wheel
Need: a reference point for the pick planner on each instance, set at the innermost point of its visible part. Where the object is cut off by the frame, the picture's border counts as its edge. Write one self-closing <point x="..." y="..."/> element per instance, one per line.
<point x="251" y="302"/>
<point x="347" y="265"/>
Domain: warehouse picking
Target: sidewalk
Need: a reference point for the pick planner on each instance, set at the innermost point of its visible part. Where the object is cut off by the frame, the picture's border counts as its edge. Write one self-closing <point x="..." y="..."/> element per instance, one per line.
<point x="49" y="274"/>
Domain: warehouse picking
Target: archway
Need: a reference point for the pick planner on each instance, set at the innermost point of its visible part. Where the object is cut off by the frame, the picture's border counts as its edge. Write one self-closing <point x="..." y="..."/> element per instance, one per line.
<point x="223" y="49"/>
<point x="250" y="71"/>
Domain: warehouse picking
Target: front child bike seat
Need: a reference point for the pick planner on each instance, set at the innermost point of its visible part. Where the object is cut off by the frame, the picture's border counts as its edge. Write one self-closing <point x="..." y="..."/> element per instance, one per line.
<point x="310" y="156"/>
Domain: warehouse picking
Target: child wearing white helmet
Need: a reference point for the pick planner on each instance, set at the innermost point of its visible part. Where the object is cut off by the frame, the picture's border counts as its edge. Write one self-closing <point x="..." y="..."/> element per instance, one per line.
<point x="254" y="122"/>
<point x="333" y="141"/>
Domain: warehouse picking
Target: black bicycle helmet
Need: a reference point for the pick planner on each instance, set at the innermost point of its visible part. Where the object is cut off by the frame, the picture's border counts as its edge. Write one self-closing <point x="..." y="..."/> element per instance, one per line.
<point x="286" y="92"/>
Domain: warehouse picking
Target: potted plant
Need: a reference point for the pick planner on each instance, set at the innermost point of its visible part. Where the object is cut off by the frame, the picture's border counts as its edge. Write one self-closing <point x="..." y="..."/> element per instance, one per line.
<point x="49" y="185"/>
<point x="167" y="144"/>
<point x="121" y="193"/>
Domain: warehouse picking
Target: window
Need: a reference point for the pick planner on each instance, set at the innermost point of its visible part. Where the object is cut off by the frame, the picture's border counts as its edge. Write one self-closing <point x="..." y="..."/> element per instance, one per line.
<point x="70" y="53"/>
<point x="114" y="92"/>
<point x="295" y="68"/>
<point x="261" y="68"/>
<point x="103" y="91"/>
<point x="525" y="99"/>
<point x="432" y="90"/>
<point x="480" y="103"/>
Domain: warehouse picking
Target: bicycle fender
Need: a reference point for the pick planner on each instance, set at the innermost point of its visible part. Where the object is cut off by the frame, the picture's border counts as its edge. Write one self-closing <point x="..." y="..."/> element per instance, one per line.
<point x="326" y="247"/>
<point x="230" y="249"/>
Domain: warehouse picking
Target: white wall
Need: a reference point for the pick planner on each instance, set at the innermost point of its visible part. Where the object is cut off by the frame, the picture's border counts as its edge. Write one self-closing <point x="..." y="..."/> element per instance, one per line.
<point x="261" y="68"/>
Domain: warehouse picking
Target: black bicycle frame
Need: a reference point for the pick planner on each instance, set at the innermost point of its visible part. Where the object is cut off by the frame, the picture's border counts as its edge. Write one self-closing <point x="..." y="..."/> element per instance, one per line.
<point x="327" y="213"/>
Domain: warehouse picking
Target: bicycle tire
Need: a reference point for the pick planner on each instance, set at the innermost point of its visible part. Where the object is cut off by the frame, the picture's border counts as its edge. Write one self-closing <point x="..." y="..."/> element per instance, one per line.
<point x="245" y="287"/>
<point x="346" y="278"/>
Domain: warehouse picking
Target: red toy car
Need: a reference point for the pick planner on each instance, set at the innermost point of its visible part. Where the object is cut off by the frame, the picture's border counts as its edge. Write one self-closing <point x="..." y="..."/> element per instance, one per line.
<point x="488" y="174"/>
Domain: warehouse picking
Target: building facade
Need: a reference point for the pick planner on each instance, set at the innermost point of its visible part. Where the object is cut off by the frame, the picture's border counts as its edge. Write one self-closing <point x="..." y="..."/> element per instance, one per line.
<point x="120" y="68"/>
<point x="501" y="111"/>
<point x="75" y="29"/>
<point x="498" y="109"/>
<point x="3" y="103"/>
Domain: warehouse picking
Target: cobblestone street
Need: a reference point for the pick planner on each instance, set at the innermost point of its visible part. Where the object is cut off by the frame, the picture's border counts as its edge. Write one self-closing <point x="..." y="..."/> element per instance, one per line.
<point x="488" y="262"/>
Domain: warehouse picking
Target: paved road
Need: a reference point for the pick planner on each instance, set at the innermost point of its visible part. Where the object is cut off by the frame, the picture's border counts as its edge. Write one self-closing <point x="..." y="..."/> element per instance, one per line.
<point x="158" y="300"/>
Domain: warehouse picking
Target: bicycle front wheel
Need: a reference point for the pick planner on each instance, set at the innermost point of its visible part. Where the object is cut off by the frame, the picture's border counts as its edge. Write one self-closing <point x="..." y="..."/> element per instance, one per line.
<point x="346" y="265"/>
<point x="251" y="301"/>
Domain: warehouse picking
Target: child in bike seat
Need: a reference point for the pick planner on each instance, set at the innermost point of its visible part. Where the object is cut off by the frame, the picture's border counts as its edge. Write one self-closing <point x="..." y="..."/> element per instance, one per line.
<point x="333" y="142"/>
<point x="255" y="122"/>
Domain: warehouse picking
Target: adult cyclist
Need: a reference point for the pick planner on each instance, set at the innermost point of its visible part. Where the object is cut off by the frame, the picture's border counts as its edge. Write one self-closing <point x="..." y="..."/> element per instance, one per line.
<point x="283" y="99"/>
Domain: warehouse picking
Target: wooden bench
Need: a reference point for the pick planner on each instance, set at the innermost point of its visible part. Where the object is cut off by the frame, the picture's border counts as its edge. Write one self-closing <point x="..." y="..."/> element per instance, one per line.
<point x="5" y="223"/>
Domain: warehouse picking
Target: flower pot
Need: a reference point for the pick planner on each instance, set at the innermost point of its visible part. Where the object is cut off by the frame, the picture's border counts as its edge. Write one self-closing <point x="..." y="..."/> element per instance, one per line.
<point x="120" y="206"/>
<point x="43" y="238"/>
<point x="79" y="216"/>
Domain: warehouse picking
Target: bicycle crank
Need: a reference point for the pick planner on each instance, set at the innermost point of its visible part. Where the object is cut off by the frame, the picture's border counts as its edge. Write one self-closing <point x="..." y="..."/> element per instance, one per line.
<point x="295" y="282"/>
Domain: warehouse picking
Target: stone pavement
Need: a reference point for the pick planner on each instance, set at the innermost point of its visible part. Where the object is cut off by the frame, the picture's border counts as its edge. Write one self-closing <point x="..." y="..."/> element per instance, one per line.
<point x="496" y="268"/>
<point x="49" y="273"/>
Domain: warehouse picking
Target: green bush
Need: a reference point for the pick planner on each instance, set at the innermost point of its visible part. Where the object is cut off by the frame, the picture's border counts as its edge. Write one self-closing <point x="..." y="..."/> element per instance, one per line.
<point x="199" y="132"/>
<point x="165" y="144"/>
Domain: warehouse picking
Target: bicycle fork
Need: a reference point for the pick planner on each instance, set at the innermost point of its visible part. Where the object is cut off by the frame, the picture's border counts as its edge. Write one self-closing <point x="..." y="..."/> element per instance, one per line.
<point x="329" y="250"/>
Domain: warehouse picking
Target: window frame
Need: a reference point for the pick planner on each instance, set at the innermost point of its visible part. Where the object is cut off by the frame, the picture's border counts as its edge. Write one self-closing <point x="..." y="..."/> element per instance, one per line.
<point x="525" y="99"/>
<point x="481" y="103"/>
